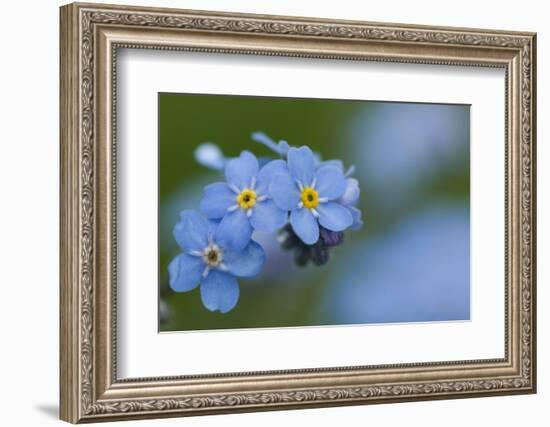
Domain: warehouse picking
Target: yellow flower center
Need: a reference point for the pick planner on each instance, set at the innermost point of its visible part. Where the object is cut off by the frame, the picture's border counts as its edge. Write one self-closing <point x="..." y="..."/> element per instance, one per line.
<point x="246" y="198"/>
<point x="310" y="197"/>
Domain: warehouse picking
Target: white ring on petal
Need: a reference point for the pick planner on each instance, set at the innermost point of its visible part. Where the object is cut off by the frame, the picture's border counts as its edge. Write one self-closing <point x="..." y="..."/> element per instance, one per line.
<point x="249" y="212"/>
<point x="301" y="205"/>
<point x="314" y="212"/>
<point x="232" y="208"/>
<point x="314" y="182"/>
<point x="223" y="267"/>
<point x="195" y="253"/>
<point x="323" y="200"/>
<point x="261" y="198"/>
<point x="206" y="271"/>
<point x="253" y="183"/>
<point x="234" y="188"/>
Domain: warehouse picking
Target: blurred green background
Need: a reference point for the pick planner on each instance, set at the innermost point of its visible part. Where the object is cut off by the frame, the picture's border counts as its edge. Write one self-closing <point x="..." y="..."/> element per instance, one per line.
<point x="410" y="262"/>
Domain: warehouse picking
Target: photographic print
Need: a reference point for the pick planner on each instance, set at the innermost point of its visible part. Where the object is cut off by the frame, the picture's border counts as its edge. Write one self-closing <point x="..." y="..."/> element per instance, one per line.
<point x="292" y="212"/>
<point x="346" y="208"/>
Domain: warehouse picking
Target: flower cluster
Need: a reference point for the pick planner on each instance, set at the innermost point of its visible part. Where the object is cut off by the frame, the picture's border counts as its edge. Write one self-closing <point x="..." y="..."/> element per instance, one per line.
<point x="308" y="201"/>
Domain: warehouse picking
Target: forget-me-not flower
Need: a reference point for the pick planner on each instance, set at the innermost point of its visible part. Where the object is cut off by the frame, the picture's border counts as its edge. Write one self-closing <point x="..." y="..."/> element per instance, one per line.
<point x="350" y="198"/>
<point x="208" y="262"/>
<point x="243" y="203"/>
<point x="311" y="195"/>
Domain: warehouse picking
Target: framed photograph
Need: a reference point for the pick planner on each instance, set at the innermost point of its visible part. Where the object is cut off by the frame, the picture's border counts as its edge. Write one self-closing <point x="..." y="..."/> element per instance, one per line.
<point x="265" y="212"/>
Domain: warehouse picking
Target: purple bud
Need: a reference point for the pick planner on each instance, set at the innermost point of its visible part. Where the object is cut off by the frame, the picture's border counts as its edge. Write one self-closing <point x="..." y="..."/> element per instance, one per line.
<point x="331" y="238"/>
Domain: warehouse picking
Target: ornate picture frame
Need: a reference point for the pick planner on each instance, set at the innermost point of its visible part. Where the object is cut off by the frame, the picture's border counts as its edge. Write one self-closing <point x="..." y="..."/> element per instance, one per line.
<point x="90" y="37"/>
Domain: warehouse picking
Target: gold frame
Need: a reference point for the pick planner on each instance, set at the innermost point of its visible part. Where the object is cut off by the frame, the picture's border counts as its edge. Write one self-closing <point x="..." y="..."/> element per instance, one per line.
<point x="90" y="36"/>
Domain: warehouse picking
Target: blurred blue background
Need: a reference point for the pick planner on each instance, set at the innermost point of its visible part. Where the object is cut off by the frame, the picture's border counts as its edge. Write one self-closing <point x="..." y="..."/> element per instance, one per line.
<point x="411" y="260"/>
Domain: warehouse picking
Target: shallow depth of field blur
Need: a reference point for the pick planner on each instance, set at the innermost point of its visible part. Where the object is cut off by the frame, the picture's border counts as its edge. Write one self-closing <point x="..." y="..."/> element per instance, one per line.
<point x="411" y="260"/>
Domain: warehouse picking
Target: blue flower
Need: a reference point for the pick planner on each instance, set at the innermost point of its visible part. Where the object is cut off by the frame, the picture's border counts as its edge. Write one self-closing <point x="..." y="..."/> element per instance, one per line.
<point x="311" y="195"/>
<point x="208" y="262"/>
<point x="243" y="202"/>
<point x="350" y="198"/>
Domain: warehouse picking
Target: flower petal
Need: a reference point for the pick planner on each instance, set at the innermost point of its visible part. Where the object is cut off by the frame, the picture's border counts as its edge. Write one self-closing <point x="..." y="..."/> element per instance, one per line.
<point x="351" y="195"/>
<point x="334" y="216"/>
<point x="240" y="170"/>
<point x="266" y="174"/>
<point x="301" y="164"/>
<point x="267" y="216"/>
<point x="185" y="272"/>
<point x="217" y="198"/>
<point x="284" y="191"/>
<point x="330" y="182"/>
<point x="192" y="230"/>
<point x="234" y="231"/>
<point x="334" y="162"/>
<point x="246" y="263"/>
<point x="219" y="291"/>
<point x="305" y="225"/>
<point x="357" y="220"/>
